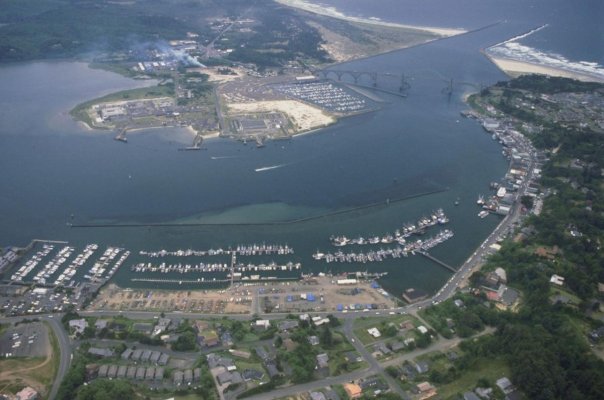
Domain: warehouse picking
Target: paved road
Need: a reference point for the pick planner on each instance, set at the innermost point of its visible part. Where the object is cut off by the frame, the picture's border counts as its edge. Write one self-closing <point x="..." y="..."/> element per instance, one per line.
<point x="305" y="387"/>
<point x="374" y="365"/>
<point x="66" y="353"/>
<point x="441" y="345"/>
<point x="65" y="348"/>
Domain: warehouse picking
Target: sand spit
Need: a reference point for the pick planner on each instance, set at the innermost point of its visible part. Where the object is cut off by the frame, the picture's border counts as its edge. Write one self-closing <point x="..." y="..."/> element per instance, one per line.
<point x="332" y="12"/>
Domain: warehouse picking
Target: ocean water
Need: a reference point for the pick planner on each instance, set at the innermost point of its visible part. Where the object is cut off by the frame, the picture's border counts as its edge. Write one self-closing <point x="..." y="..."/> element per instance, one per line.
<point x="57" y="173"/>
<point x="575" y="29"/>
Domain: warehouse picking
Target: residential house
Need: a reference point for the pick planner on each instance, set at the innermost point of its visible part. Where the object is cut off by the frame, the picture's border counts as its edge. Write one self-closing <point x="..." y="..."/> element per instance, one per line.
<point x="27" y="393"/>
<point x="226" y="339"/>
<point x="261" y="352"/>
<point x="143" y="327"/>
<point x="491" y="280"/>
<point x="422" y="329"/>
<point x="240" y="353"/>
<point x="382" y="348"/>
<point x="161" y="326"/>
<point x="155" y="356"/>
<point x="103" y="371"/>
<point x="331" y="394"/>
<point x="557" y="280"/>
<point x="470" y="396"/>
<point x="374" y="332"/>
<point x="215" y="361"/>
<point x="126" y="354"/>
<point x="121" y="371"/>
<point x="353" y="390"/>
<point x="426" y="390"/>
<point x="227" y="377"/>
<point x="252" y="374"/>
<point x="262" y="324"/>
<point x="317" y="396"/>
<point x="322" y="360"/>
<point x="178" y="378"/>
<point x="505" y="385"/>
<point x="313" y="340"/>
<point x="397" y="346"/>
<point x="422" y="367"/>
<point x="508" y="296"/>
<point x="188" y="377"/>
<point x="163" y="359"/>
<point x="145" y="356"/>
<point x="78" y="325"/>
<point x="353" y="357"/>
<point x="136" y="355"/>
<point x="408" y="372"/>
<point x="112" y="371"/>
<point x="272" y="370"/>
<point x="288" y="325"/>
<point x="96" y="351"/>
<point x="503" y="277"/>
<point x="597" y="334"/>
<point x="374" y="383"/>
<point x="484" y="393"/>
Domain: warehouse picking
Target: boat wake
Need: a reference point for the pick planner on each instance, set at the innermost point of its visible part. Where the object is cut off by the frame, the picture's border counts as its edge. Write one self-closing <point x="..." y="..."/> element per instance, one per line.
<point x="262" y="169"/>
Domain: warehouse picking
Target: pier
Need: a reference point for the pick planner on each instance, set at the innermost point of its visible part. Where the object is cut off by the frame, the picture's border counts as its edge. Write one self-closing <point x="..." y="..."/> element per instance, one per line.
<point x="436" y="260"/>
<point x="200" y="281"/>
<point x="121" y="136"/>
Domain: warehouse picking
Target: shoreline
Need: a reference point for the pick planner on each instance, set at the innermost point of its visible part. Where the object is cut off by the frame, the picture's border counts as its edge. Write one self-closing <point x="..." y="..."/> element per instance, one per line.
<point x="333" y="13"/>
<point x="514" y="68"/>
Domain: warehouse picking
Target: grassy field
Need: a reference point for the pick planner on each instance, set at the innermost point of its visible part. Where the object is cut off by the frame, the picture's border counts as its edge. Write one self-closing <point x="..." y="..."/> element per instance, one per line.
<point x="362" y="324"/>
<point x="490" y="369"/>
<point x="38" y="372"/>
<point x="337" y="356"/>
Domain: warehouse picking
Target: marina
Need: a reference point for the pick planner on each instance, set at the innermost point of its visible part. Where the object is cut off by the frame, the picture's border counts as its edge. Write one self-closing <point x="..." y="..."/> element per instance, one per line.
<point x="243" y="250"/>
<point x="383" y="254"/>
<point x="213" y="267"/>
<point x="54" y="272"/>
<point x="438" y="217"/>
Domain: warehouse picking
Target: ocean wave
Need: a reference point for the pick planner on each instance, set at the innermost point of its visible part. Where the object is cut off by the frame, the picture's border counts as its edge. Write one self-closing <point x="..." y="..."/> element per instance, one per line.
<point x="513" y="50"/>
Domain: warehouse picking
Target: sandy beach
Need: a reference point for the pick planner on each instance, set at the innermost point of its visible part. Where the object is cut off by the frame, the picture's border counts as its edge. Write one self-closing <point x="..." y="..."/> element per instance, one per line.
<point x="332" y="12"/>
<point x="304" y="116"/>
<point x="514" y="68"/>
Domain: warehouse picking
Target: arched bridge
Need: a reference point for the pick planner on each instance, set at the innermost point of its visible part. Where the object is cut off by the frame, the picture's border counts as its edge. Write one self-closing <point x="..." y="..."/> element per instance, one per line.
<point x="338" y="74"/>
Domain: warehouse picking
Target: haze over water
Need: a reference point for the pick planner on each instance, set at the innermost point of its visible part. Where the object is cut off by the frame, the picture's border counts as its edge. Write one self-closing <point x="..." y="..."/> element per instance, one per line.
<point x="53" y="168"/>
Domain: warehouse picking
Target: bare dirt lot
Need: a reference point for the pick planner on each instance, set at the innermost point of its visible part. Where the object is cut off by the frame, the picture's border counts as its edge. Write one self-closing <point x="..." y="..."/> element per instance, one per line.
<point x="326" y="295"/>
<point x="206" y="301"/>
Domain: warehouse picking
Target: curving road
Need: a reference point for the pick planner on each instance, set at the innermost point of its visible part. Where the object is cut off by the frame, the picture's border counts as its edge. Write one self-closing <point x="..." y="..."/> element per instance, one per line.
<point x="66" y="352"/>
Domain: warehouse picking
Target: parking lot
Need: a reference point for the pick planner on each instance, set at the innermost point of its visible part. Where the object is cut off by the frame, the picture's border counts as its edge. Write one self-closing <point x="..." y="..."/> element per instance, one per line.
<point x="25" y="340"/>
